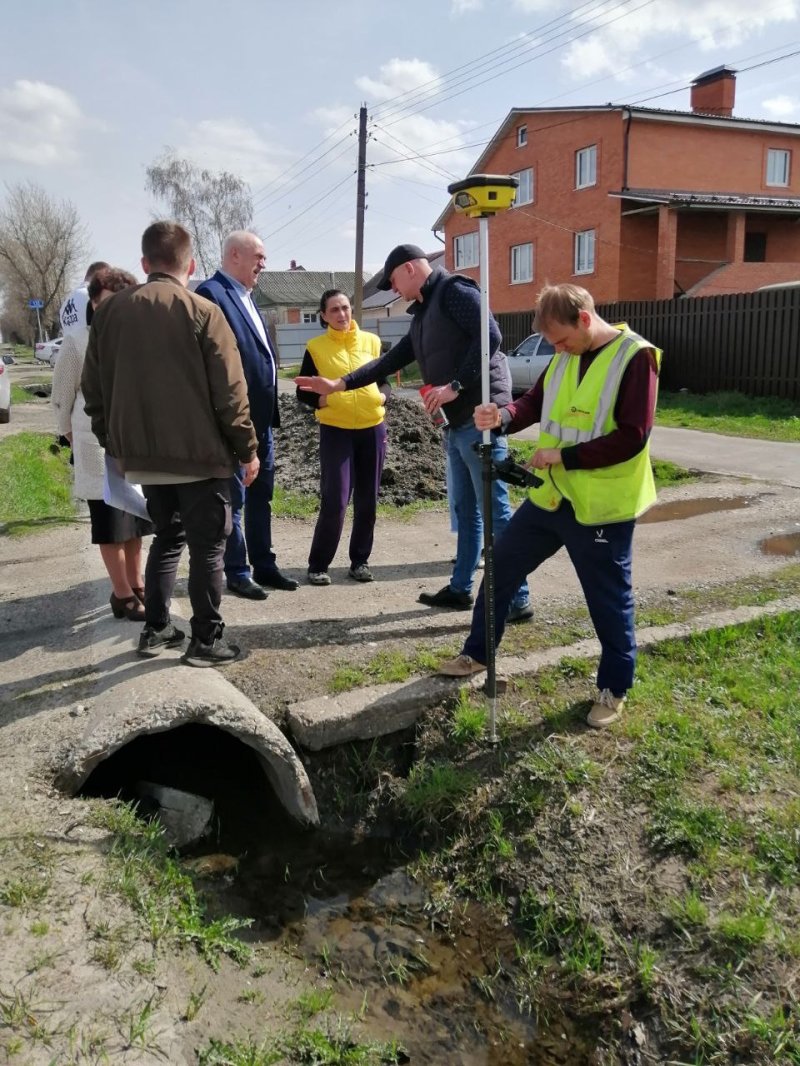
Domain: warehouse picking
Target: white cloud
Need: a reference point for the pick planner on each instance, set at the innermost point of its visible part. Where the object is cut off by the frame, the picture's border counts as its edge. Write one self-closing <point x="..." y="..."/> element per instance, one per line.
<point x="39" y="124"/>
<point x="400" y="76"/>
<point x="781" y="106"/>
<point x="228" y="144"/>
<point x="460" y="7"/>
<point x="709" y="24"/>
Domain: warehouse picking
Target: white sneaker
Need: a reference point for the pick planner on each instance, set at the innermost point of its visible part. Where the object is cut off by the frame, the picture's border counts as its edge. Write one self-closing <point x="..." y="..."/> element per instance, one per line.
<point x="606" y="709"/>
<point x="319" y="577"/>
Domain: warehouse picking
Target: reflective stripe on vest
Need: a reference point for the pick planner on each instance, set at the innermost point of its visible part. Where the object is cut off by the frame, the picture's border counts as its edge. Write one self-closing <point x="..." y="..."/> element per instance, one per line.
<point x="608" y="397"/>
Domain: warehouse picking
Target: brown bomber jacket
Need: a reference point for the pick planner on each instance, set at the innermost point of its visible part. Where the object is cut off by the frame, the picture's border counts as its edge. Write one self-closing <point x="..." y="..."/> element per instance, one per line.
<point x="163" y="382"/>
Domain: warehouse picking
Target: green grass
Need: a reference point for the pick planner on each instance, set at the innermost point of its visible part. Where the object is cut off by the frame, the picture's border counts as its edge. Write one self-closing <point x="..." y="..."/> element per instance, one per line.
<point x="565" y="832"/>
<point x="35" y="484"/>
<point x="332" y="1046"/>
<point x="731" y="413"/>
<point x="160" y="892"/>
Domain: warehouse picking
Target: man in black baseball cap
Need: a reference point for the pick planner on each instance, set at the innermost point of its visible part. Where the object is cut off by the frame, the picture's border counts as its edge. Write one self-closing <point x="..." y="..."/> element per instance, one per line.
<point x="445" y="340"/>
<point x="403" y="253"/>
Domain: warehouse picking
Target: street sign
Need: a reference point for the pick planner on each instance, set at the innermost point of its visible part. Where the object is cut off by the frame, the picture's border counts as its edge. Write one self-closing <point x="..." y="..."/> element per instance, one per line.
<point x="37" y="305"/>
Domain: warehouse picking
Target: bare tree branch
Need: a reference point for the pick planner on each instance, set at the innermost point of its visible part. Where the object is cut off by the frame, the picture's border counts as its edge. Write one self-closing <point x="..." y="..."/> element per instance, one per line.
<point x="209" y="205"/>
<point x="42" y="242"/>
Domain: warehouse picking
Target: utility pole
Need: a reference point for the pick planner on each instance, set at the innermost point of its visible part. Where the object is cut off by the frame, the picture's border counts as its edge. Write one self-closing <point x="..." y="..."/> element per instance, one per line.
<point x="361" y="203"/>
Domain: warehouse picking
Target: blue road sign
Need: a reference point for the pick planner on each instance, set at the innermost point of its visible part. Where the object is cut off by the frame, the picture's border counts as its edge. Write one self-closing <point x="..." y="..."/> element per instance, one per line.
<point x="37" y="305"/>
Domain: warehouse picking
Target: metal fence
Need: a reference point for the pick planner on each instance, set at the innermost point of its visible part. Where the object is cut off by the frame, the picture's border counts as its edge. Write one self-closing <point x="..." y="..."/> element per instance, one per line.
<point x="746" y="342"/>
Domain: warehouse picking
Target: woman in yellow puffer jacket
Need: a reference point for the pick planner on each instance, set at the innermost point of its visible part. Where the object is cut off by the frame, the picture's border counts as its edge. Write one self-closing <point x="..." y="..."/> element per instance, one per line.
<point x="352" y="439"/>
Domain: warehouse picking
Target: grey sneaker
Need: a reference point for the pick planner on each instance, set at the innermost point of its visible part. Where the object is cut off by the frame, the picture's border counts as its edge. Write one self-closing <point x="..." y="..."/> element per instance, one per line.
<point x="360" y="573"/>
<point x="523" y="612"/>
<point x="461" y="666"/>
<point x="153" y="641"/>
<point x="217" y="653"/>
<point x="319" y="577"/>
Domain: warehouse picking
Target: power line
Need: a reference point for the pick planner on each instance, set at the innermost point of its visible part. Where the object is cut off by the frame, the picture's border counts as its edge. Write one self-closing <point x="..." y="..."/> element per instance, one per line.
<point x="298" y="184"/>
<point x="305" y="210"/>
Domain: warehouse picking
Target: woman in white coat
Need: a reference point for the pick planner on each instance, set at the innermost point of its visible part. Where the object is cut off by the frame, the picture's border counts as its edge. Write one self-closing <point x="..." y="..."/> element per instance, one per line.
<point x="117" y="533"/>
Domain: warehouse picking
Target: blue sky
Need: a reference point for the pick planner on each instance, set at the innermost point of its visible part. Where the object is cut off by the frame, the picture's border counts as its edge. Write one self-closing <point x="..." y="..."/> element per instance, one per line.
<point x="91" y="93"/>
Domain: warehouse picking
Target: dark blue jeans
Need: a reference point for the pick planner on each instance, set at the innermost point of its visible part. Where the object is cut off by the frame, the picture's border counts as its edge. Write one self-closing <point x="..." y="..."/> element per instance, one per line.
<point x="255" y="539"/>
<point x="602" y="561"/>
<point x="351" y="463"/>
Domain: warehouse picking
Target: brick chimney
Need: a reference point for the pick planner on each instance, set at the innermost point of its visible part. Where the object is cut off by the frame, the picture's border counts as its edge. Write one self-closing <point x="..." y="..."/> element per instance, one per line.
<point x="714" y="92"/>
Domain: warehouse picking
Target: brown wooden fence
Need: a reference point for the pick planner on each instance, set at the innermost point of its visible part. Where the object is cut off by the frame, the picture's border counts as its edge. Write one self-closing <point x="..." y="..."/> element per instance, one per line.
<point x="746" y="342"/>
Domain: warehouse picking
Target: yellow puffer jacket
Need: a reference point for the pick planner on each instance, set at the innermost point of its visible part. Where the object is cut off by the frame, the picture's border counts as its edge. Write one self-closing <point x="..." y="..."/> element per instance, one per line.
<point x="335" y="354"/>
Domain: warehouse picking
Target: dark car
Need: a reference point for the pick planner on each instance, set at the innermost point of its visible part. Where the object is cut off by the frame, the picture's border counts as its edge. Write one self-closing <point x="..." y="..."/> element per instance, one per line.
<point x="528" y="361"/>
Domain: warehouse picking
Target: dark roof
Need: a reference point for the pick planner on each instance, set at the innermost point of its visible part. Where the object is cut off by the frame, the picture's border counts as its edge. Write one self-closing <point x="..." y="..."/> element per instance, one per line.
<point x="301" y="288"/>
<point x="376" y="298"/>
<point x="680" y="198"/>
<point x="657" y="113"/>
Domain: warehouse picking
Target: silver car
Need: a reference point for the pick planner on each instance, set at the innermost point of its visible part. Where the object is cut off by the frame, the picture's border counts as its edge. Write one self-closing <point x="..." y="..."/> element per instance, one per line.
<point x="528" y="361"/>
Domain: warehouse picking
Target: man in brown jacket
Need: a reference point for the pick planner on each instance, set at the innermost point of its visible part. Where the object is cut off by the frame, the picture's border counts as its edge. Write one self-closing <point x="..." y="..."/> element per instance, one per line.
<point x="164" y="388"/>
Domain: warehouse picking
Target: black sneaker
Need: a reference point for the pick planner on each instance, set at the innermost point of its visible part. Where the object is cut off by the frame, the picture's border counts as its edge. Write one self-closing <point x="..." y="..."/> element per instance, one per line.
<point x="447" y="597"/>
<point x="152" y="641"/>
<point x="218" y="653"/>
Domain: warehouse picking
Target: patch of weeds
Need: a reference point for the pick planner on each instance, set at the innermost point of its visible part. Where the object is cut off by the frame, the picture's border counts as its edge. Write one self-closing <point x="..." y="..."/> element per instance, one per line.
<point x="689" y="911"/>
<point x="777" y="845"/>
<point x="40" y="928"/>
<point x="31" y="865"/>
<point x="556" y="928"/>
<point x="333" y="1046"/>
<point x="254" y="996"/>
<point x="313" y="1001"/>
<point x="23" y="1017"/>
<point x="35" y="483"/>
<point x="159" y="890"/>
<point x="386" y="667"/>
<point x="434" y="790"/>
<point x="197" y="998"/>
<point x="693" y="828"/>
<point x="469" y="719"/>
<point x="136" y="1024"/>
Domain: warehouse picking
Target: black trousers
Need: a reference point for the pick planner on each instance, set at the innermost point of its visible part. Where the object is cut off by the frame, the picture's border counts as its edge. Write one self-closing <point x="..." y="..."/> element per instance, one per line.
<point x="197" y="513"/>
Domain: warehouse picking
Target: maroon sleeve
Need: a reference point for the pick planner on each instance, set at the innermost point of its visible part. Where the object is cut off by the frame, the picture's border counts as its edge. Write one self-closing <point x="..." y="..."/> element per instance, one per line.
<point x="633" y="412"/>
<point x="521" y="413"/>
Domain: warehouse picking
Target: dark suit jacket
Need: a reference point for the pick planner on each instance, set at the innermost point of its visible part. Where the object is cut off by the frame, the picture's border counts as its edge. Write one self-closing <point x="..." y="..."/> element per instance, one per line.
<point x="258" y="361"/>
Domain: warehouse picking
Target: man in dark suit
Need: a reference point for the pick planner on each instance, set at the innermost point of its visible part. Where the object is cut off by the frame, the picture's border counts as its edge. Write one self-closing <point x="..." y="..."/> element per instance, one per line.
<point x="230" y="288"/>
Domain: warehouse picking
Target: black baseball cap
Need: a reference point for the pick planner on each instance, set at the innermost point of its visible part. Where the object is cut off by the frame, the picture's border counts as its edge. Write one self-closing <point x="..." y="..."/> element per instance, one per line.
<point x="403" y="253"/>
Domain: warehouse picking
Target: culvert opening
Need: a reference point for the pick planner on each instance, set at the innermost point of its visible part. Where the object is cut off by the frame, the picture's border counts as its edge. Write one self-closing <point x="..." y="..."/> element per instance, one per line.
<point x="195" y="760"/>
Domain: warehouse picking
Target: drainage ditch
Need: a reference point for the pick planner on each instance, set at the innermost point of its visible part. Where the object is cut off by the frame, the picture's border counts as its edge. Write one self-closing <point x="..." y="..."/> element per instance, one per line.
<point x="344" y="902"/>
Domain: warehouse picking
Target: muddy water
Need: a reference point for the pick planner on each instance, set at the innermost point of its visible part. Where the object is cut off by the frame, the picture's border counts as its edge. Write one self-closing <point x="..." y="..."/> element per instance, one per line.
<point x="781" y="544"/>
<point x="348" y="908"/>
<point x="368" y="930"/>
<point x="677" y="509"/>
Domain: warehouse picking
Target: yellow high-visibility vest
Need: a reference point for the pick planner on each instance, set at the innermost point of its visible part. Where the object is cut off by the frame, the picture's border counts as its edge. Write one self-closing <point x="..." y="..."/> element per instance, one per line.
<point x="574" y="412"/>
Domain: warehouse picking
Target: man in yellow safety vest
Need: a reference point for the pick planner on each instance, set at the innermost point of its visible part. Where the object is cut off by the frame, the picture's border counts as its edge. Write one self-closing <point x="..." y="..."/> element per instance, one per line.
<point x="595" y="403"/>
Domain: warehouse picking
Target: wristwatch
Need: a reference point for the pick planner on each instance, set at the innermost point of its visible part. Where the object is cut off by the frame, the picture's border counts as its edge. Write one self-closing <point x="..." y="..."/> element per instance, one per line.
<point x="456" y="385"/>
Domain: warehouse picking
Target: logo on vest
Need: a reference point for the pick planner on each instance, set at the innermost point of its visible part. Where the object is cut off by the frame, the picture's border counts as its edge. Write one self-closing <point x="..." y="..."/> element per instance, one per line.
<point x="578" y="411"/>
<point x="599" y="538"/>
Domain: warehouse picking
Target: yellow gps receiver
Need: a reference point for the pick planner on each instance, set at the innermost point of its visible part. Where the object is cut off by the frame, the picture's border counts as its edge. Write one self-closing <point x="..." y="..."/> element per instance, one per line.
<point x="484" y="195"/>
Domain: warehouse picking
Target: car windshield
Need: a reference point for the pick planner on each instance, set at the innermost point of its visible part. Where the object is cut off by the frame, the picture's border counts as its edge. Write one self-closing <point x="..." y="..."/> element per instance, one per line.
<point x="528" y="346"/>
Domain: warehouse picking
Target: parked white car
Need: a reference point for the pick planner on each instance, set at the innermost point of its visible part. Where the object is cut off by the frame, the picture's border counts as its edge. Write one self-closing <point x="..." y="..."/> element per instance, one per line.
<point x="527" y="362"/>
<point x="5" y="392"/>
<point x="47" y="351"/>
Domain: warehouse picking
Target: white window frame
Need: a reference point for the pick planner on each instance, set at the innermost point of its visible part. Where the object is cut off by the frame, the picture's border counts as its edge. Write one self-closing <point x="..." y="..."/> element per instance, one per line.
<point x="585" y="251"/>
<point x="309" y="318"/>
<point x="586" y="167"/>
<point x="466" y="250"/>
<point x="522" y="136"/>
<point x="521" y="263"/>
<point x="779" y="163"/>
<point x="521" y="192"/>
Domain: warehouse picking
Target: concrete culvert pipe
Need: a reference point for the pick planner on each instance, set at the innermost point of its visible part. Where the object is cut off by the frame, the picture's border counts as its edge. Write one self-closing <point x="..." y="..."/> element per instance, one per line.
<point x="204" y="711"/>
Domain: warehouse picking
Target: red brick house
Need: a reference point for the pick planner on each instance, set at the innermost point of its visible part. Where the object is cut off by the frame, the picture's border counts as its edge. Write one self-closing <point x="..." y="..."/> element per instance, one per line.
<point x="638" y="203"/>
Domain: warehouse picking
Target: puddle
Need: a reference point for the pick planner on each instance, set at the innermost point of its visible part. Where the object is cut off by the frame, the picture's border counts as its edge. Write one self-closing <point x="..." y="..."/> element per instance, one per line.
<point x="781" y="544"/>
<point x="673" y="511"/>
<point x="348" y="908"/>
<point x="366" y="928"/>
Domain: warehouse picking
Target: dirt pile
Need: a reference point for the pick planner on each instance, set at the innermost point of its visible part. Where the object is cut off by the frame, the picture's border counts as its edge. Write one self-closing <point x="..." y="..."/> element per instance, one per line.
<point x="415" y="463"/>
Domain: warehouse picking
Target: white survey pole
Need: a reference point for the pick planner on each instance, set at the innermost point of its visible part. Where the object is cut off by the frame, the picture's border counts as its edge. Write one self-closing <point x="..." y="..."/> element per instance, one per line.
<point x="481" y="196"/>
